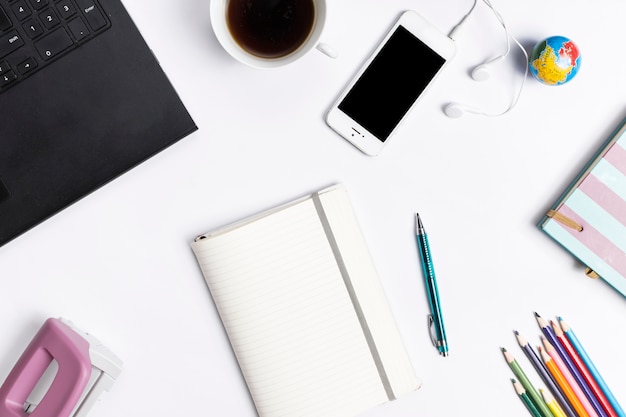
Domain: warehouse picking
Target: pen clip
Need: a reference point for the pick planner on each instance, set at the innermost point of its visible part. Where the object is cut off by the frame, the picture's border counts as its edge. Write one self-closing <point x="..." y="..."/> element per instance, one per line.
<point x="432" y="331"/>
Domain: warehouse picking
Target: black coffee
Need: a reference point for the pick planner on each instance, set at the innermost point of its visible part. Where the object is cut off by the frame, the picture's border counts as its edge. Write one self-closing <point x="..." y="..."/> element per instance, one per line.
<point x="270" y="28"/>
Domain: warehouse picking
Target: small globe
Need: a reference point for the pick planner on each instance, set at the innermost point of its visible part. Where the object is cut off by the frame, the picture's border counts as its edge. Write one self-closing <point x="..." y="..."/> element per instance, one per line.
<point x="554" y="60"/>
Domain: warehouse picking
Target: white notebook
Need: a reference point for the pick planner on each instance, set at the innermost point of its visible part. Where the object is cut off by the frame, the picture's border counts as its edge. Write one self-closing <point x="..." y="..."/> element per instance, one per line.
<point x="304" y="310"/>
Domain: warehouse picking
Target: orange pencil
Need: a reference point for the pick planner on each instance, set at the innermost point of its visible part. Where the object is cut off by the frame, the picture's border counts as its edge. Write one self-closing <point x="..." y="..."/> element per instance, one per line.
<point x="563" y="384"/>
<point x="578" y="391"/>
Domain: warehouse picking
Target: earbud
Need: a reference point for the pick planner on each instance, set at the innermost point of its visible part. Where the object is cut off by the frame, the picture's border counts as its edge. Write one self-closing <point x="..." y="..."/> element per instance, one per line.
<point x="456" y="110"/>
<point x="481" y="73"/>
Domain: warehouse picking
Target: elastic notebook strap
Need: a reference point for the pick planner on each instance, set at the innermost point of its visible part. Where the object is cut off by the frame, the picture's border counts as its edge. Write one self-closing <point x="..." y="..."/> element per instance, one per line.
<point x="353" y="297"/>
<point x="564" y="220"/>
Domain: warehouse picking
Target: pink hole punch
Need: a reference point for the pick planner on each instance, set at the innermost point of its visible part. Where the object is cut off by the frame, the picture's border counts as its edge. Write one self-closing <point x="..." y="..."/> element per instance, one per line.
<point x="62" y="373"/>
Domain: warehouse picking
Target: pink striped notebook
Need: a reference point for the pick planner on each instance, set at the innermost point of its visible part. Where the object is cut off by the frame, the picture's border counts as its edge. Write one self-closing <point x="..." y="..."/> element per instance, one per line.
<point x="589" y="219"/>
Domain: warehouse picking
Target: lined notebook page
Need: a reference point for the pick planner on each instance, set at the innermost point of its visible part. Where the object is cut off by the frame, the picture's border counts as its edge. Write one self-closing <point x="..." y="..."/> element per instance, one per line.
<point x="290" y="318"/>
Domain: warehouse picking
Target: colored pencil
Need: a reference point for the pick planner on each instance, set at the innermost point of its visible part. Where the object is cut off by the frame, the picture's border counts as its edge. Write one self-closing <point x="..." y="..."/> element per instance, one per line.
<point x="523" y="379"/>
<point x="551" y="403"/>
<point x="521" y="392"/>
<point x="551" y="336"/>
<point x="541" y="369"/>
<point x="563" y="384"/>
<point x="591" y="372"/>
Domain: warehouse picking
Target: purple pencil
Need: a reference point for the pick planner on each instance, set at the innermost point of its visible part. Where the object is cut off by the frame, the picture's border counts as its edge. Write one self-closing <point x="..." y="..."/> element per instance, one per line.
<point x="543" y="372"/>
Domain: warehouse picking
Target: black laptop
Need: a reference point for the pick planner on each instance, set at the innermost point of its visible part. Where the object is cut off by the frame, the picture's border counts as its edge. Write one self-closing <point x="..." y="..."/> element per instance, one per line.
<point x="82" y="100"/>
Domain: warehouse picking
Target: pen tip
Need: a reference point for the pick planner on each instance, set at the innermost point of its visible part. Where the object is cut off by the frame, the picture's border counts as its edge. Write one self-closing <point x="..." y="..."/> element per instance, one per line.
<point x="419" y="227"/>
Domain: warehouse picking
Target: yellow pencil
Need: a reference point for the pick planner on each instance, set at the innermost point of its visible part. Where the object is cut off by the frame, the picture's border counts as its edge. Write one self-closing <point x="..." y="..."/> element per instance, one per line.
<point x="552" y="404"/>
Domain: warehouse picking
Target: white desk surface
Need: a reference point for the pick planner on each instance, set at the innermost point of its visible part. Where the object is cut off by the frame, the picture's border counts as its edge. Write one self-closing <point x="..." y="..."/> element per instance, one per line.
<point x="118" y="263"/>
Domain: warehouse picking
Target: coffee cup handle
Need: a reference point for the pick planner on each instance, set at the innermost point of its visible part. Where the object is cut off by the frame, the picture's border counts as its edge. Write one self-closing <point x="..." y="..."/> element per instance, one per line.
<point x="327" y="50"/>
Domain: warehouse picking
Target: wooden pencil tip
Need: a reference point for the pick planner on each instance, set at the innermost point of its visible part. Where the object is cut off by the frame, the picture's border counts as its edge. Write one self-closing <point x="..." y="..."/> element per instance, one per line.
<point x="521" y="340"/>
<point x="557" y="328"/>
<point x="518" y="387"/>
<point x="541" y="321"/>
<point x="516" y="332"/>
<point x="507" y="356"/>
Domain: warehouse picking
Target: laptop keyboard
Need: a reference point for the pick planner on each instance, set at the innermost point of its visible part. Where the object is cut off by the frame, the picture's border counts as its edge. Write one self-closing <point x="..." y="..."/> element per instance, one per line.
<point x="35" y="33"/>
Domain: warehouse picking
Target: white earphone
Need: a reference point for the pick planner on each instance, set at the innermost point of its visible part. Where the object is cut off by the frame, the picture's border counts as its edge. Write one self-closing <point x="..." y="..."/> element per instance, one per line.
<point x="481" y="72"/>
<point x="456" y="110"/>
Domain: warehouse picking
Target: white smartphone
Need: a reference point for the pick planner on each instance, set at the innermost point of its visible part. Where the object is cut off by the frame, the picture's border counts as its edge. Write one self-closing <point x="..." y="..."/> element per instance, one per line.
<point x="390" y="82"/>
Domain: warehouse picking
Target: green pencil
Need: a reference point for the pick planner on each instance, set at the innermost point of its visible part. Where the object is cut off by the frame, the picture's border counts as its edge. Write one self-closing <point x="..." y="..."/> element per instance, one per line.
<point x="530" y="389"/>
<point x="521" y="392"/>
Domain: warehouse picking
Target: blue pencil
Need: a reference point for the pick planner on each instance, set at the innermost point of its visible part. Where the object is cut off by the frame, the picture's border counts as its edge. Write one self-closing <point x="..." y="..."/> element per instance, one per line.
<point x="569" y="333"/>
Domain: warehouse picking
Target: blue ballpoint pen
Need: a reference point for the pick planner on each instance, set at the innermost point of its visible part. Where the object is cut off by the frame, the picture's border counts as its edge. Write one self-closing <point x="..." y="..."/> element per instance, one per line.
<point x="435" y="319"/>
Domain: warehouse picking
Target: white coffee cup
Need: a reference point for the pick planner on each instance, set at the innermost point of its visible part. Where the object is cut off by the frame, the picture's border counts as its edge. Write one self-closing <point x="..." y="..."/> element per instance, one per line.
<point x="219" y="22"/>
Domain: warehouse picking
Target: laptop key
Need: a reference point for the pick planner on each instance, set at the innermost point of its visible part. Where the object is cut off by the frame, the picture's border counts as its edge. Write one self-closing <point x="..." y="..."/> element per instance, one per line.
<point x="26" y="66"/>
<point x="5" y="22"/>
<point x="9" y="43"/>
<point x="78" y="29"/>
<point x="49" y="19"/>
<point x="66" y="9"/>
<point x="53" y="44"/>
<point x="39" y="4"/>
<point x="20" y="9"/>
<point x="93" y="15"/>
<point x="32" y="28"/>
<point x="7" y="78"/>
<point x="4" y="67"/>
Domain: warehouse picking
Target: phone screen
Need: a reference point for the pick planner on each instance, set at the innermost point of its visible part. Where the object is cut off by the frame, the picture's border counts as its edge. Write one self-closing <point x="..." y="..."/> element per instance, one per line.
<point x="391" y="83"/>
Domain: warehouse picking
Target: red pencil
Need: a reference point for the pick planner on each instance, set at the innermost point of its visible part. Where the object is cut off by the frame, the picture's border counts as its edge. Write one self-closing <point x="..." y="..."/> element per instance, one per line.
<point x="589" y="379"/>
